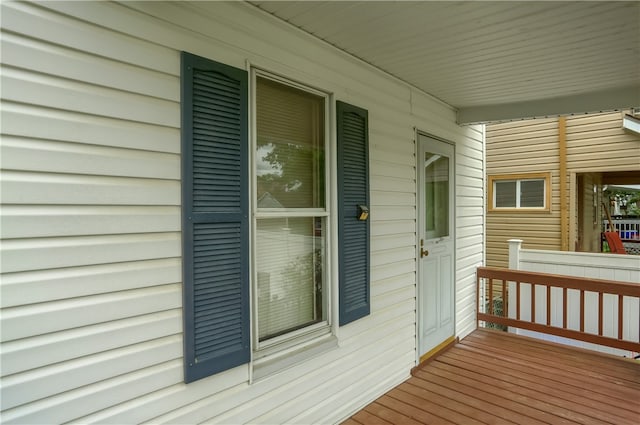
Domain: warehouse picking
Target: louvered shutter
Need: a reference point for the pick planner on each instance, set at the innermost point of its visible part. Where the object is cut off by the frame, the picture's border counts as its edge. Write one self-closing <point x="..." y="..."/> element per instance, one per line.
<point x="353" y="190"/>
<point x="215" y="216"/>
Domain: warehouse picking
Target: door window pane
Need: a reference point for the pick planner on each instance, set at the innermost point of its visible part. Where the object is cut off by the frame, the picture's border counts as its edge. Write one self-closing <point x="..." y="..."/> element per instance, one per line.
<point x="290" y="257"/>
<point x="436" y="179"/>
<point x="290" y="153"/>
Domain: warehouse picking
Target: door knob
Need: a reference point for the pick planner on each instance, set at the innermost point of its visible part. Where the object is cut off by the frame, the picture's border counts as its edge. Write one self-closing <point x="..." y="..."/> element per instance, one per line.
<point x="423" y="252"/>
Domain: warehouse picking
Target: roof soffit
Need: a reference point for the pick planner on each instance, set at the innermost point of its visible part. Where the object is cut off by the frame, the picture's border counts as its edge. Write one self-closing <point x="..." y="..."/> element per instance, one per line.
<point x="490" y="60"/>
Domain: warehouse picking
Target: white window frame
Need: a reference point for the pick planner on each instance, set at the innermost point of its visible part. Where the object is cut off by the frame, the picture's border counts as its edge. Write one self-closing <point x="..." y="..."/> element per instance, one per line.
<point x="285" y="343"/>
<point x="518" y="178"/>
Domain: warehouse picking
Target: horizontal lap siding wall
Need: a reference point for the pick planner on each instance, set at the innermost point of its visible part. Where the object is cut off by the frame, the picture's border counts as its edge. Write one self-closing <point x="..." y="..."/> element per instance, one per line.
<point x="523" y="147"/>
<point x="470" y="236"/>
<point x="597" y="143"/>
<point x="91" y="285"/>
<point x="91" y="290"/>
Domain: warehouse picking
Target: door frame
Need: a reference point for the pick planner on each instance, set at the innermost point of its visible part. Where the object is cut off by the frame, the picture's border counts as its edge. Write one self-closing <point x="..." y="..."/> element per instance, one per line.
<point x="420" y="213"/>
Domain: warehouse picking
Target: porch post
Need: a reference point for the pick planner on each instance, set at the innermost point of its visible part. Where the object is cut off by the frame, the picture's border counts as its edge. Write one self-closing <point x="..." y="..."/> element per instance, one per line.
<point x="514" y="253"/>
<point x="514" y="263"/>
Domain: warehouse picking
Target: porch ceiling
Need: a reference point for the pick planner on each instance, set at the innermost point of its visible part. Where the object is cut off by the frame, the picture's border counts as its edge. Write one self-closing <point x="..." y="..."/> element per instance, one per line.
<point x="490" y="60"/>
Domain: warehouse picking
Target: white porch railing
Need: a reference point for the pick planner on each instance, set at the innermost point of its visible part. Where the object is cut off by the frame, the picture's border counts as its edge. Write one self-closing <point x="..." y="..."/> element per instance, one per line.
<point x="627" y="228"/>
<point x="624" y="268"/>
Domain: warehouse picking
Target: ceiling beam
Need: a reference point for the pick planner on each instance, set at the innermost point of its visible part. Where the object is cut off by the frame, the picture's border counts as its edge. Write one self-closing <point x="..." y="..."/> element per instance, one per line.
<point x="597" y="101"/>
<point x="621" y="178"/>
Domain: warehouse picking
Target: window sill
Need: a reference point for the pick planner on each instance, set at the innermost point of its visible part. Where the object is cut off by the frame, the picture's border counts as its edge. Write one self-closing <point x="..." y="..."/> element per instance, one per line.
<point x="519" y="210"/>
<point x="281" y="360"/>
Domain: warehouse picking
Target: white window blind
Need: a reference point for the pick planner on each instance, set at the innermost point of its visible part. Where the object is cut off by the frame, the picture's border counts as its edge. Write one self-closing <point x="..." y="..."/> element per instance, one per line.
<point x="290" y="145"/>
<point x="289" y="265"/>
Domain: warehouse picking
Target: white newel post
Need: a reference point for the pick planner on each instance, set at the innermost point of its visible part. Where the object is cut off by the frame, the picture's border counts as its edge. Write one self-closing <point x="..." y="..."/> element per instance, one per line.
<point x="514" y="253"/>
<point x="514" y="264"/>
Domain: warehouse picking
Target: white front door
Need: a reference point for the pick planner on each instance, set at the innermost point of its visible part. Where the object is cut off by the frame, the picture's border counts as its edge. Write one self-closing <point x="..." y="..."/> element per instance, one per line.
<point x="436" y="259"/>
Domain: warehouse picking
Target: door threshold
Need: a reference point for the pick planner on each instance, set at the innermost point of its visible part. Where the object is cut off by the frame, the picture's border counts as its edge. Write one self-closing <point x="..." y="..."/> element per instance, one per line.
<point x="431" y="354"/>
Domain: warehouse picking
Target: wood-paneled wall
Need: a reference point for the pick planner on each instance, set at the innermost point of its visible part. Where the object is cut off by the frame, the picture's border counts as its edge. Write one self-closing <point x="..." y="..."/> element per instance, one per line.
<point x="595" y="144"/>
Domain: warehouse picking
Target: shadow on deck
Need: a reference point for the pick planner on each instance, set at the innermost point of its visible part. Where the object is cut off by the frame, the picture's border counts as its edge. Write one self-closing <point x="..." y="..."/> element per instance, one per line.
<point x="495" y="377"/>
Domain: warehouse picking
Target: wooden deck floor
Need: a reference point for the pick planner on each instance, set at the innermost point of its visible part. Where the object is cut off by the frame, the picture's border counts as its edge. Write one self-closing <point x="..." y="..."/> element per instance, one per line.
<point x="493" y="377"/>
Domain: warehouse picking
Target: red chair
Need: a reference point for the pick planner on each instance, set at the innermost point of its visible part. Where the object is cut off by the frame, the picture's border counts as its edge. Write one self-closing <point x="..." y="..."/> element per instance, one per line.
<point x="615" y="243"/>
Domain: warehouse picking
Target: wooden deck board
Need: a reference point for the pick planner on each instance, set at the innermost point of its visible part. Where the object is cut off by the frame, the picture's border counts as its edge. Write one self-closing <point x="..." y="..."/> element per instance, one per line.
<point x="561" y="396"/>
<point x="586" y="358"/>
<point x="484" y="410"/>
<point x="499" y="378"/>
<point x="536" y="371"/>
<point x="562" y="371"/>
<point x="524" y="377"/>
<point x="391" y="415"/>
<point x="532" y="408"/>
<point x="462" y="410"/>
<point x="420" y="415"/>
<point x="569" y="365"/>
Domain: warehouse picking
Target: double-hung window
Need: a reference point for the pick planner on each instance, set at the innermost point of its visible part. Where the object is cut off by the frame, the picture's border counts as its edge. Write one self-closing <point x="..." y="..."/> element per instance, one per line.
<point x="257" y="207"/>
<point x="290" y="211"/>
<point x="523" y="192"/>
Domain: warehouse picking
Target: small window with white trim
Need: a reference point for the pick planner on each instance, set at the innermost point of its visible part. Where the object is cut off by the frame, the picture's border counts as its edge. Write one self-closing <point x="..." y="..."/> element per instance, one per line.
<point x="521" y="192"/>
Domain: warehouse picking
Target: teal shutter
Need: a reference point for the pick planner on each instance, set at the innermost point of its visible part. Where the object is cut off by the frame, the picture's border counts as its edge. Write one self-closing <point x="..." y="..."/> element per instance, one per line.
<point x="215" y="217"/>
<point x="353" y="190"/>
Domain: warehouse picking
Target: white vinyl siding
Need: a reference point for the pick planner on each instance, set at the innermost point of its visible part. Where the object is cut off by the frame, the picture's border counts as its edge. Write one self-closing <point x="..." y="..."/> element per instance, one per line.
<point x="91" y="285"/>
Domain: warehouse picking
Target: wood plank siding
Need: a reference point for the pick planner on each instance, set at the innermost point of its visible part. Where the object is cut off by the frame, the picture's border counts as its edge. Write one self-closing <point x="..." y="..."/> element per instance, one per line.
<point x="595" y="143"/>
<point x="500" y="378"/>
<point x="91" y="252"/>
<point x="517" y="148"/>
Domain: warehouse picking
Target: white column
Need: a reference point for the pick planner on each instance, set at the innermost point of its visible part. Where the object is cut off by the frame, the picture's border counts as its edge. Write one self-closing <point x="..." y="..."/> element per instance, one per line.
<point x="514" y="263"/>
<point x="514" y="253"/>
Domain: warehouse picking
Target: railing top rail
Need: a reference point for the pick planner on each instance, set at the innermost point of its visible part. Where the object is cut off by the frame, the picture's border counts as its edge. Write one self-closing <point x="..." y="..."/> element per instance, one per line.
<point x="561" y="281"/>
